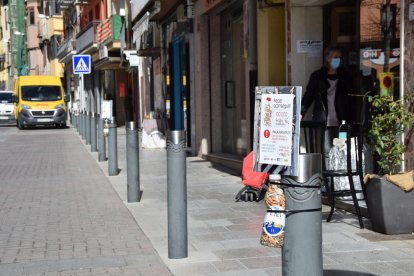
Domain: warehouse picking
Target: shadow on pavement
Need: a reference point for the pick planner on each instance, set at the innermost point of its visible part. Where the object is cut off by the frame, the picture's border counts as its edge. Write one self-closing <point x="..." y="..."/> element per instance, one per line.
<point x="345" y="273"/>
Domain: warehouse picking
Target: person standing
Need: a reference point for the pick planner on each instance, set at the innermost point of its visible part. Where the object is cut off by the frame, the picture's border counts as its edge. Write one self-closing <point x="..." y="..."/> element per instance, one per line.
<point x="328" y="89"/>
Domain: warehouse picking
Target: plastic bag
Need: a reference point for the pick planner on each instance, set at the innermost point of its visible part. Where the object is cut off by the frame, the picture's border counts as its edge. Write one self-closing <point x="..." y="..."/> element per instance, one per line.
<point x="337" y="161"/>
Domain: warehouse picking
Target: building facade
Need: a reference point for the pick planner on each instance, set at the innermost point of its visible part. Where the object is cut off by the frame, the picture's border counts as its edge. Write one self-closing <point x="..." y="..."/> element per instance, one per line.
<point x="197" y="63"/>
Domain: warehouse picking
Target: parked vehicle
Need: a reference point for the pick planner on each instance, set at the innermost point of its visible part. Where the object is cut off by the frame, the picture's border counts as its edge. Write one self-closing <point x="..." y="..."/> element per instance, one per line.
<point x="39" y="100"/>
<point x="6" y="108"/>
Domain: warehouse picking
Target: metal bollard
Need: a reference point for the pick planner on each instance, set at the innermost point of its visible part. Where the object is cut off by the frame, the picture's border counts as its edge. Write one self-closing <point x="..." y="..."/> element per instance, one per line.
<point x="93" y="133"/>
<point x="80" y="123"/>
<point x="302" y="249"/>
<point x="83" y="125"/>
<point x="112" y="150"/>
<point x="101" y="141"/>
<point x="73" y="119"/>
<point x="177" y="195"/>
<point x="88" y="128"/>
<point x="133" y="187"/>
<point x="77" y="122"/>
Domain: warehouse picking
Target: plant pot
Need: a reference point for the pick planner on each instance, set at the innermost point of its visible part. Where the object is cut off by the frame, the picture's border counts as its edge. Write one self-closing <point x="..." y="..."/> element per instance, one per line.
<point x="391" y="209"/>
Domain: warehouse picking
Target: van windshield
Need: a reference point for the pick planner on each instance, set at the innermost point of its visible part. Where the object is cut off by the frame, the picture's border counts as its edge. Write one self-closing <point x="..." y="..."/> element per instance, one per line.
<point x="6" y="97"/>
<point x="38" y="93"/>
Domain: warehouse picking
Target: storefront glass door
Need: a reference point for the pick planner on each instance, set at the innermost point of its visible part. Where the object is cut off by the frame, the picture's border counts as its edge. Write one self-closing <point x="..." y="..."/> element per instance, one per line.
<point x="232" y="83"/>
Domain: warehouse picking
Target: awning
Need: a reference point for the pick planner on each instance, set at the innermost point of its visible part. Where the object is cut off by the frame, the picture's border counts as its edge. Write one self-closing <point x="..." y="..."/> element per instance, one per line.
<point x="108" y="63"/>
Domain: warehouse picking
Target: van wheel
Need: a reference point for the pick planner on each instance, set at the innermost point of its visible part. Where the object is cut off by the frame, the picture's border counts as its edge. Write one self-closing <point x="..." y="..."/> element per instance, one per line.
<point x="19" y="125"/>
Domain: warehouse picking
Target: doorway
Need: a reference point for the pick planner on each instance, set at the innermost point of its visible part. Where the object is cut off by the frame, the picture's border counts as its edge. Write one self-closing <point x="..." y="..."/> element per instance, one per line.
<point x="233" y="98"/>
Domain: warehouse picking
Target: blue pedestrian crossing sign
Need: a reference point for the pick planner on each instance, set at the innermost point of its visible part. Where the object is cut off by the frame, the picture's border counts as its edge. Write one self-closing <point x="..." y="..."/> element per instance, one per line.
<point x="81" y="64"/>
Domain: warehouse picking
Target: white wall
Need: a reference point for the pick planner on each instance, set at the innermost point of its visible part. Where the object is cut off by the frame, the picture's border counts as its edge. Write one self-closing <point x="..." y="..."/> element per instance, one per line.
<point x="307" y="24"/>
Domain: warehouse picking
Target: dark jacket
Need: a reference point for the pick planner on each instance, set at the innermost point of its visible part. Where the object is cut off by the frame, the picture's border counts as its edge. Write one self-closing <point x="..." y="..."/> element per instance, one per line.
<point x="316" y="91"/>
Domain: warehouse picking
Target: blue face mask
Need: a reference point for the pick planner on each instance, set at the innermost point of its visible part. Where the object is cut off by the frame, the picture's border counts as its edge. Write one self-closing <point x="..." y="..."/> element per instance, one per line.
<point x="335" y="63"/>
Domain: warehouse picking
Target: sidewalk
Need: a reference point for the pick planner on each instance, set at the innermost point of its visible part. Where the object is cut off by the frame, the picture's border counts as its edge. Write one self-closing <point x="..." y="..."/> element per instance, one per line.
<point x="59" y="214"/>
<point x="223" y="235"/>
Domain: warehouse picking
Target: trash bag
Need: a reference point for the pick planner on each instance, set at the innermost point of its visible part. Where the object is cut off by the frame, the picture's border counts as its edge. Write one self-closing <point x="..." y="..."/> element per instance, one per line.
<point x="255" y="182"/>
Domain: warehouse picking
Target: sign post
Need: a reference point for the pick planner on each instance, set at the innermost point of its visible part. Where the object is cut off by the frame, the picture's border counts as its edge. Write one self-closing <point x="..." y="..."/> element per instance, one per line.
<point x="81" y="65"/>
<point x="276" y="151"/>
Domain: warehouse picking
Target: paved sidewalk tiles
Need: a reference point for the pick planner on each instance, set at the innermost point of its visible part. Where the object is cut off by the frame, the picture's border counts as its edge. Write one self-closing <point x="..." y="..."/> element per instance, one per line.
<point x="74" y="219"/>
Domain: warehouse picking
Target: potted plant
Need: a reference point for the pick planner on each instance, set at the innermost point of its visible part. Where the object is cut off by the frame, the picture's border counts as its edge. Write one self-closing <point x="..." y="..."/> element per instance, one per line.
<point x="389" y="205"/>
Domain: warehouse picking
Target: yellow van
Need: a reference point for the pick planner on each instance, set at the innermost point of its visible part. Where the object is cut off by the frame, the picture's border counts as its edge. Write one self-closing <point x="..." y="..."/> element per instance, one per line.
<point x="39" y="100"/>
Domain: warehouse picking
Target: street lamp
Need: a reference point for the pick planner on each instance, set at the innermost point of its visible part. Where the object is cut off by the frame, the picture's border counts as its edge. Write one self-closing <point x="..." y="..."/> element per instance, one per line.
<point x="387" y="27"/>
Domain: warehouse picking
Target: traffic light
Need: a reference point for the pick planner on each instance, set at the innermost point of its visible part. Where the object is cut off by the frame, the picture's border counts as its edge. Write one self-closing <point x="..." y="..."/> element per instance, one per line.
<point x="386" y="83"/>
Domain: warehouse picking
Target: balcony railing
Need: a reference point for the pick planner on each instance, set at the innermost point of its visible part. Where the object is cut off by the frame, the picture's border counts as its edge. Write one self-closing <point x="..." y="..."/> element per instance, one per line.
<point x="54" y="46"/>
<point x="66" y="47"/>
<point x="66" y="4"/>
<point x="87" y="37"/>
<point x="110" y="29"/>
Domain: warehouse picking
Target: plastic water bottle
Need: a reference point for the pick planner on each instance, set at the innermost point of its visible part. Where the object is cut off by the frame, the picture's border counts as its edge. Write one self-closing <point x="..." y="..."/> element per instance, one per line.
<point x="342" y="130"/>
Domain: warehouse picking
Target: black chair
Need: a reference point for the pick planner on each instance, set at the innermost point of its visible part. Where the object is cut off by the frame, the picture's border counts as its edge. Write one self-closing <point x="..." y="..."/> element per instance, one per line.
<point x="354" y="167"/>
<point x="312" y="138"/>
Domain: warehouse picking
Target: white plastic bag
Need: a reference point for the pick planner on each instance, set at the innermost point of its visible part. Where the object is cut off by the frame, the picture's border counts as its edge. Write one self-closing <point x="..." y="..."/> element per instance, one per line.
<point x="337" y="161"/>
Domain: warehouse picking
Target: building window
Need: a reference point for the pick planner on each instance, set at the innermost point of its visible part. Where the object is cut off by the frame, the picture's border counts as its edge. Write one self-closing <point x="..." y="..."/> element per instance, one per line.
<point x="31" y="16"/>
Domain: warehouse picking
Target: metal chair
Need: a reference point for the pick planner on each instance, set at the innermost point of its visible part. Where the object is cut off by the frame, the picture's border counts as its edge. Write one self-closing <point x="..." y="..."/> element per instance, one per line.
<point x="312" y="138"/>
<point x="354" y="167"/>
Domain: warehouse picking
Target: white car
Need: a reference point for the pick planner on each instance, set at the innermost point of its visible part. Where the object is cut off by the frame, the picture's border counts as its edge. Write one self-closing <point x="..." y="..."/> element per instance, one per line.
<point x="6" y="108"/>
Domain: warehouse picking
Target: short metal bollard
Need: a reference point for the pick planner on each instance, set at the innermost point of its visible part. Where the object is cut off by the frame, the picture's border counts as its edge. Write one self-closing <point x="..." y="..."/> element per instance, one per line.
<point x="73" y="116"/>
<point x="94" y="147"/>
<point x="81" y="124"/>
<point x="101" y="141"/>
<point x="70" y="118"/>
<point x="302" y="249"/>
<point x="133" y="181"/>
<point x="112" y="150"/>
<point x="177" y="195"/>
<point x="88" y="128"/>
<point x="77" y="122"/>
